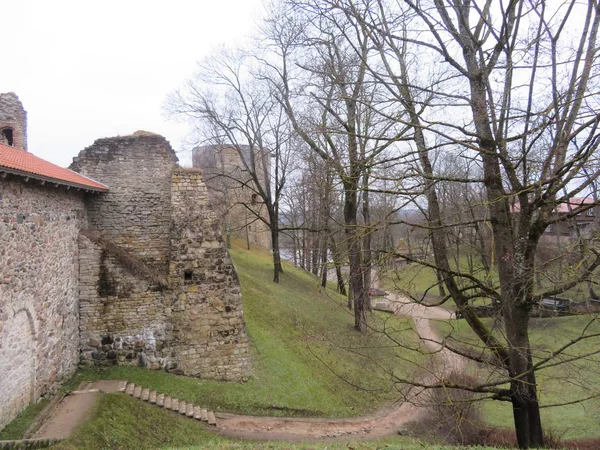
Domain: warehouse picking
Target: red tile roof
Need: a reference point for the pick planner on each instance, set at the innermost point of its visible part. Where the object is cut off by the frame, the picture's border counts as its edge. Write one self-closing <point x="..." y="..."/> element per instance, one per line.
<point x="564" y="207"/>
<point x="20" y="162"/>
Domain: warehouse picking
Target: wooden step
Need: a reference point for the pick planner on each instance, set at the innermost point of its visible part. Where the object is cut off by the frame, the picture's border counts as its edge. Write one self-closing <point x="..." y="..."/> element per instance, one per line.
<point x="166" y="401"/>
<point x="197" y="413"/>
<point x="137" y="393"/>
<point x="212" y="420"/>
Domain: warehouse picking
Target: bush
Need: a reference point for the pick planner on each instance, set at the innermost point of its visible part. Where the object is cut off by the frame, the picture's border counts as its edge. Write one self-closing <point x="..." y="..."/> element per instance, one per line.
<point x="454" y="414"/>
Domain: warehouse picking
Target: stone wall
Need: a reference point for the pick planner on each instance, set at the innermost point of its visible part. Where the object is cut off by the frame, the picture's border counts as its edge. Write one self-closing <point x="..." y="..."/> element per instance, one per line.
<point x="208" y="318"/>
<point x="124" y="316"/>
<point x="232" y="192"/>
<point x="170" y="300"/>
<point x="135" y="213"/>
<point x="39" y="227"/>
<point x="13" y="117"/>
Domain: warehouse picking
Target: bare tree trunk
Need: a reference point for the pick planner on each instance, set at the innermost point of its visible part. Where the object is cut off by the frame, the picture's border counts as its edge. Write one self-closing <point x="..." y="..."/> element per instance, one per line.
<point x="277" y="267"/>
<point x="324" y="262"/>
<point x="366" y="242"/>
<point x="247" y="231"/>
<point x="227" y="231"/>
<point x="356" y="280"/>
<point x="341" y="286"/>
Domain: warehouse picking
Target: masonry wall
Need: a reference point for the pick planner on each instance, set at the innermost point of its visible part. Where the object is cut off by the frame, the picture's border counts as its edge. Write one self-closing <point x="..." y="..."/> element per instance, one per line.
<point x="13" y="116"/>
<point x="135" y="213"/>
<point x="158" y="289"/>
<point x="124" y="317"/>
<point x="211" y="338"/>
<point x="39" y="227"/>
<point x="233" y="194"/>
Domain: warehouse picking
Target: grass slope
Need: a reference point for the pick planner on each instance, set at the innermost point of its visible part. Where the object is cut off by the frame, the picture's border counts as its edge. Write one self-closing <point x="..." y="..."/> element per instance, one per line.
<point x="21" y="423"/>
<point x="308" y="360"/>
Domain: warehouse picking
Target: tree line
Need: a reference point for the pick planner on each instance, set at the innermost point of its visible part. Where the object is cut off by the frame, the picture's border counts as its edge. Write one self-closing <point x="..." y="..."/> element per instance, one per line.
<point x="421" y="130"/>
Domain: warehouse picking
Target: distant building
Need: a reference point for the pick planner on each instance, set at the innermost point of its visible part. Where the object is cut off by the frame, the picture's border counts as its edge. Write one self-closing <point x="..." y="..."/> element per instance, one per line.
<point x="13" y="121"/>
<point x="232" y="191"/>
<point x="580" y="225"/>
<point x="566" y="228"/>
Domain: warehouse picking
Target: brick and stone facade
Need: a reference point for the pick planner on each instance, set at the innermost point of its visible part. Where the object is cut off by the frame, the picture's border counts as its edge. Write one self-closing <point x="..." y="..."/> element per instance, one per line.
<point x="39" y="271"/>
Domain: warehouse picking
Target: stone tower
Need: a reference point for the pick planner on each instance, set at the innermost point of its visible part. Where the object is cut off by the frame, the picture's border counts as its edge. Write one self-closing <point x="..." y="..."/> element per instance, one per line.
<point x="233" y="193"/>
<point x="13" y="121"/>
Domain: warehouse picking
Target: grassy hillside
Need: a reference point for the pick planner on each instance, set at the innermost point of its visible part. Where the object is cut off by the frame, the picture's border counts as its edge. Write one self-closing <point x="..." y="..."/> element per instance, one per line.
<point x="573" y="380"/>
<point x="308" y="360"/>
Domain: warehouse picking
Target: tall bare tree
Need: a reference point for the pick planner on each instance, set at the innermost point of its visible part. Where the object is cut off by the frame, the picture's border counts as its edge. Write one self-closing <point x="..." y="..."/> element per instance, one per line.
<point x="511" y="83"/>
<point x="235" y="109"/>
<point x="326" y="92"/>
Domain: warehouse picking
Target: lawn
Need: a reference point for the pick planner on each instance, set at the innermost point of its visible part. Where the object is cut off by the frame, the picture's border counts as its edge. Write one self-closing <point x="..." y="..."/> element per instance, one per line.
<point x="308" y="360"/>
<point x="19" y="425"/>
<point x="565" y="383"/>
<point x="417" y="280"/>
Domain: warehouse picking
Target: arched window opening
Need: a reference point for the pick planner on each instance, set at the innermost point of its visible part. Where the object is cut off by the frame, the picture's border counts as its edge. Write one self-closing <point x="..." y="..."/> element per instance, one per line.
<point x="7" y="134"/>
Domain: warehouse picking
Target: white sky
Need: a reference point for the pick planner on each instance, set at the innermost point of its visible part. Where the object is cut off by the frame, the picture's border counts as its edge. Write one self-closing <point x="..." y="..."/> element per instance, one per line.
<point x="89" y="69"/>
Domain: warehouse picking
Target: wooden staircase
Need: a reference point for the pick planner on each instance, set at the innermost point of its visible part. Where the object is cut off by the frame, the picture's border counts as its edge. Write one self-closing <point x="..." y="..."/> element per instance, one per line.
<point x="167" y="402"/>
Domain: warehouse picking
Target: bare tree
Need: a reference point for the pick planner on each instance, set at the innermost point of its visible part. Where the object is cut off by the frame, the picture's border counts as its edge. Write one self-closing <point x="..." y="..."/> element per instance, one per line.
<point x="511" y="84"/>
<point x="234" y="109"/>
<point x="325" y="90"/>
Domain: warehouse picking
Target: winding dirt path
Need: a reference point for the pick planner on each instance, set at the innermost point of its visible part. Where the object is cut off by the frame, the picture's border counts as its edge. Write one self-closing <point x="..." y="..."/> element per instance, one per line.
<point x="381" y="424"/>
<point x="74" y="409"/>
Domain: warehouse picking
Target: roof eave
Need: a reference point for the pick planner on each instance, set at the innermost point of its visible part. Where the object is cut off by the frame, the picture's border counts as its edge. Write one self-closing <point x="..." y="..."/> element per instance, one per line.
<point x="55" y="181"/>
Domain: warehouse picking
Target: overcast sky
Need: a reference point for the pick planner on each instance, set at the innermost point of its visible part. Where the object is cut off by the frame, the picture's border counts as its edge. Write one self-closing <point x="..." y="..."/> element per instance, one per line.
<point x="91" y="69"/>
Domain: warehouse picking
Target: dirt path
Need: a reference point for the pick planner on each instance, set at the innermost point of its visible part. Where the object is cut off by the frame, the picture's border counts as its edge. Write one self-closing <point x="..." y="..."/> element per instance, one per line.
<point x="381" y="424"/>
<point x="73" y="410"/>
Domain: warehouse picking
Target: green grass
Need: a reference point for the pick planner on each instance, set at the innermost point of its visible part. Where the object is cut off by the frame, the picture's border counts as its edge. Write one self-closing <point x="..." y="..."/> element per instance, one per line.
<point x="23" y="421"/>
<point x="574" y="380"/>
<point x="308" y="360"/>
<point x="417" y="280"/>
<point x="121" y="422"/>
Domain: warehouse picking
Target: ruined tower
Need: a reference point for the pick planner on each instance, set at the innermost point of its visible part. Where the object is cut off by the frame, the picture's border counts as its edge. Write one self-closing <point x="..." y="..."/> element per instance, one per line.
<point x="13" y="121"/>
<point x="232" y="191"/>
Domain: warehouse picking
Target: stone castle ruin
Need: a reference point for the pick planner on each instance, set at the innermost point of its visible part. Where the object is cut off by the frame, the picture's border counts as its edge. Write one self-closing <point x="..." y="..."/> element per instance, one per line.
<point x="116" y="261"/>
<point x="232" y="191"/>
